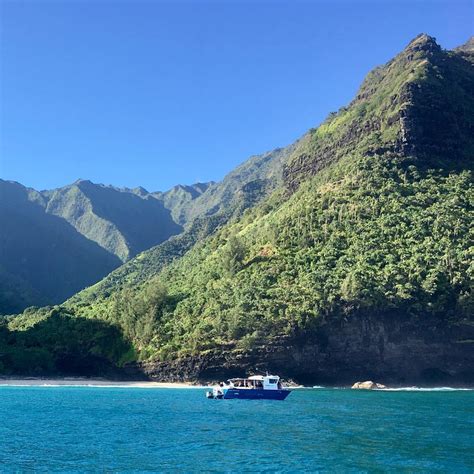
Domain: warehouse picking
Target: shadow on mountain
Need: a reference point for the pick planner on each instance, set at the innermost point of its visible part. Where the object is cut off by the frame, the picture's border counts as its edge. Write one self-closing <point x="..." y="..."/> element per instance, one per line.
<point x="56" y="260"/>
<point x="64" y="345"/>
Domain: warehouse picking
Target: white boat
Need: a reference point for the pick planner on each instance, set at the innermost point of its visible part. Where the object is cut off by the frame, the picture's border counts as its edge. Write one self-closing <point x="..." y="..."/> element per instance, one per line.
<point x="256" y="387"/>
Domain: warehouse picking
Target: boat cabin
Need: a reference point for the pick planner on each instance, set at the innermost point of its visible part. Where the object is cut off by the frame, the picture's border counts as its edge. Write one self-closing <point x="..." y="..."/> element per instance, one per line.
<point x="256" y="382"/>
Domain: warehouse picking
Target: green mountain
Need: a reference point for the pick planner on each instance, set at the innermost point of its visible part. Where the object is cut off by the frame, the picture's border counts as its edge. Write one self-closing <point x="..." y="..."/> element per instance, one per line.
<point x="179" y="197"/>
<point x="122" y="221"/>
<point x="259" y="174"/>
<point x="354" y="260"/>
<point x="42" y="257"/>
<point x="54" y="243"/>
<point x="241" y="189"/>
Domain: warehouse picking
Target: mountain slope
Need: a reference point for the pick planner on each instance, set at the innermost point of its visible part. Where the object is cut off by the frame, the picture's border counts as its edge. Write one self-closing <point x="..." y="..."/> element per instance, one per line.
<point x="120" y="221"/>
<point x="467" y="48"/>
<point x="179" y="198"/>
<point x="220" y="203"/>
<point x="419" y="105"/>
<point x="262" y="171"/>
<point x="54" y="243"/>
<point x="359" y="264"/>
<point x="42" y="253"/>
<point x="124" y="222"/>
<point x="366" y="270"/>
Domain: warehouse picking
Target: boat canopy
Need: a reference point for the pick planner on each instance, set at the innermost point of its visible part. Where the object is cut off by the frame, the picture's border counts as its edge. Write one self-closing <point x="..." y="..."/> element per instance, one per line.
<point x="257" y="377"/>
<point x="267" y="382"/>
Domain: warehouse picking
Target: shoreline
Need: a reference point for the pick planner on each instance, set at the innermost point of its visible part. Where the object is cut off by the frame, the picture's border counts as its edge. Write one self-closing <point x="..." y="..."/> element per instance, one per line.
<point x="90" y="382"/>
<point x="108" y="383"/>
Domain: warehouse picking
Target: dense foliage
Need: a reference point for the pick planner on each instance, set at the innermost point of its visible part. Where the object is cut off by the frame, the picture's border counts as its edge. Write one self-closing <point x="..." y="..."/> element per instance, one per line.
<point x="379" y="239"/>
<point x="52" y="341"/>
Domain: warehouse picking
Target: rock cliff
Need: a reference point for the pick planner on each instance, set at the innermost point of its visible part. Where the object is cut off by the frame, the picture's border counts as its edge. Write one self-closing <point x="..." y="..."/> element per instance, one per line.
<point x="391" y="349"/>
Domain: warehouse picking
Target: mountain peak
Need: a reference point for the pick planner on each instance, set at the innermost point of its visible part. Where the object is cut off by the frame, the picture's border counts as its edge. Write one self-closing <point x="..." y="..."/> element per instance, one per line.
<point x="417" y="105"/>
<point x="467" y="47"/>
<point x="82" y="181"/>
<point x="423" y="42"/>
<point x="140" y="191"/>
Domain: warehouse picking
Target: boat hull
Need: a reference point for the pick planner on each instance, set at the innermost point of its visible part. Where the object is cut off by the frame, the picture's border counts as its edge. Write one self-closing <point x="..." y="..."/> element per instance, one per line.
<point x="257" y="394"/>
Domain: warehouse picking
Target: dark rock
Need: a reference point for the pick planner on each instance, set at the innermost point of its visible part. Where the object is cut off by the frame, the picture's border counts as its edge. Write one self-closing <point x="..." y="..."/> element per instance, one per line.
<point x="391" y="348"/>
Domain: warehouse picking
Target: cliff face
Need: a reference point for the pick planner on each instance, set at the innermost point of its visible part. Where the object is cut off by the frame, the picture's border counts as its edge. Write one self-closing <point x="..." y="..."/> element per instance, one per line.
<point x="390" y="348"/>
<point x="419" y="106"/>
<point x="437" y="117"/>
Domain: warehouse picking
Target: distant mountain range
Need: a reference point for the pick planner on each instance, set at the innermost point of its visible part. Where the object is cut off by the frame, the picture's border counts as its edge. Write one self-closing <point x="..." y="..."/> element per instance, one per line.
<point x="345" y="256"/>
<point x="54" y="243"/>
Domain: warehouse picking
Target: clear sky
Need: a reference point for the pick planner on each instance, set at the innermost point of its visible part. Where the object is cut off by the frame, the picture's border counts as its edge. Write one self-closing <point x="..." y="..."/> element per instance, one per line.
<point x="157" y="93"/>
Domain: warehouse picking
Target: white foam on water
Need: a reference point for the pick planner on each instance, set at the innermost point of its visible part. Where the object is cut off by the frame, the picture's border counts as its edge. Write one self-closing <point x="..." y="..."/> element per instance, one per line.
<point x="76" y="385"/>
<point x="424" y="389"/>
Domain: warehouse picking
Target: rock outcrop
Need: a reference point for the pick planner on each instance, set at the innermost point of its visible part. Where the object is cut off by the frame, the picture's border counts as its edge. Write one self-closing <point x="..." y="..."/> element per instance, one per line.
<point x="368" y="385"/>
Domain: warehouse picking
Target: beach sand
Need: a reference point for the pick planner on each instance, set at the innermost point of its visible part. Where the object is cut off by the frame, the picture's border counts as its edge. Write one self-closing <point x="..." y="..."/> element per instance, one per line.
<point x="85" y="382"/>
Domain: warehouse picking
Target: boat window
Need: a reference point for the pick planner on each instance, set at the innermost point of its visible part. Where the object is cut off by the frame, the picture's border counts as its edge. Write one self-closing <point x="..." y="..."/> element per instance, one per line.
<point x="272" y="380"/>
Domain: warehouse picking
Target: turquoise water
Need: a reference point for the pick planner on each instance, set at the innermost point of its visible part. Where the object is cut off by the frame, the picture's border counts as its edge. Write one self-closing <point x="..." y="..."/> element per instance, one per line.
<point x="134" y="429"/>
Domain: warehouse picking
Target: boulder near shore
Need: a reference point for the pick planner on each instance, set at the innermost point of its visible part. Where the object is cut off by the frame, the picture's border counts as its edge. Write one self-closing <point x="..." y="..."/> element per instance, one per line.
<point x="368" y="385"/>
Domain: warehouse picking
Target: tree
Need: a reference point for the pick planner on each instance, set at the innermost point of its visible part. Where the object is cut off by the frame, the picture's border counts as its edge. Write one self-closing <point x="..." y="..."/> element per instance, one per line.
<point x="233" y="255"/>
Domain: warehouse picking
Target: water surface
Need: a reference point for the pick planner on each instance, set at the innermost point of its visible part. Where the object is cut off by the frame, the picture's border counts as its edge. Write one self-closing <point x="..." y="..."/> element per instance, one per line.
<point x="135" y="429"/>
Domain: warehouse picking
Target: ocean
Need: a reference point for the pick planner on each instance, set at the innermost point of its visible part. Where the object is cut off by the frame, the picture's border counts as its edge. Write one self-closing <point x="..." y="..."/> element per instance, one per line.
<point x="114" y="429"/>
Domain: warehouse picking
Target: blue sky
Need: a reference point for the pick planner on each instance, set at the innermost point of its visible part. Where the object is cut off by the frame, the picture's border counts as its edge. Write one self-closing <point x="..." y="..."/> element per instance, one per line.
<point x="156" y="93"/>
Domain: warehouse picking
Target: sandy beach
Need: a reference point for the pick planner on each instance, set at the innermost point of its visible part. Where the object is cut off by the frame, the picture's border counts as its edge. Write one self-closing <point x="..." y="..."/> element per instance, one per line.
<point x="85" y="382"/>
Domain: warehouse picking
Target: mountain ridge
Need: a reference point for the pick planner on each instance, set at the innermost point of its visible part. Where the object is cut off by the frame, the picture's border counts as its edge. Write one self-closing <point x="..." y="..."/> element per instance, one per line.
<point x="126" y="221"/>
<point x="393" y="125"/>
